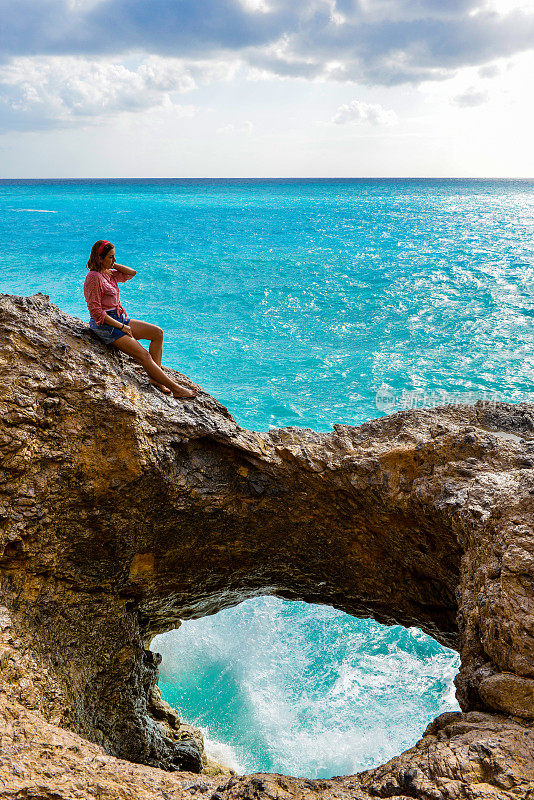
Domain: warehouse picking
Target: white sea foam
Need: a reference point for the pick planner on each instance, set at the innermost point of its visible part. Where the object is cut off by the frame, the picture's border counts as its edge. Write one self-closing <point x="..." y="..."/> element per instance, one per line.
<point x="305" y="689"/>
<point x="36" y="210"/>
<point x="224" y="754"/>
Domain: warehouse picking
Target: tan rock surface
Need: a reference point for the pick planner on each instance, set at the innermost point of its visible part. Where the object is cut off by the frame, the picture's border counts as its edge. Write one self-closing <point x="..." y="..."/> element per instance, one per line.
<point x="509" y="693"/>
<point x="122" y="512"/>
<point x="470" y="755"/>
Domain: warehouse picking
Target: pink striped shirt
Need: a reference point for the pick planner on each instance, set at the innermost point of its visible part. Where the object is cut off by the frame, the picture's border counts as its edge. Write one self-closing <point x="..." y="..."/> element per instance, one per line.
<point x="101" y="292"/>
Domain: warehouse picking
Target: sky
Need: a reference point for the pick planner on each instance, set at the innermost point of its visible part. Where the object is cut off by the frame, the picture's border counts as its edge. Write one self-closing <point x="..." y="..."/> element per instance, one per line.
<point x="266" y="88"/>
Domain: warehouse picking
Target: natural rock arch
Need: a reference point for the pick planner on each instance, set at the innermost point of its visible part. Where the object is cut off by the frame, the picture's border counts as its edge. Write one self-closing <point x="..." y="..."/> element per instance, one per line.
<point x="123" y="512"/>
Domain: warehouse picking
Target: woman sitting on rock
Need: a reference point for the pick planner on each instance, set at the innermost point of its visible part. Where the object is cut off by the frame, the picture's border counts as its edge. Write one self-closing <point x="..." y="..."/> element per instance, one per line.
<point x="110" y="323"/>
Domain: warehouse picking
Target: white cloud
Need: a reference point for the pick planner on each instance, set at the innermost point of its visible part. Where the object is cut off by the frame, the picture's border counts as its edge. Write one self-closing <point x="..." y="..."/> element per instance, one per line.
<point x="379" y="42"/>
<point x="83" y="5"/>
<point x="209" y="71"/>
<point x="489" y="71"/>
<point x="67" y="88"/>
<point x="261" y="6"/>
<point x="359" y="112"/>
<point x="245" y="128"/>
<point x="507" y="6"/>
<point x="470" y="98"/>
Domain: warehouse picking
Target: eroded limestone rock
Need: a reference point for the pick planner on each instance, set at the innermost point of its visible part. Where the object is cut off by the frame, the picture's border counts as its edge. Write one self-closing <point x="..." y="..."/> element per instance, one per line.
<point x="123" y="511"/>
<point x="509" y="693"/>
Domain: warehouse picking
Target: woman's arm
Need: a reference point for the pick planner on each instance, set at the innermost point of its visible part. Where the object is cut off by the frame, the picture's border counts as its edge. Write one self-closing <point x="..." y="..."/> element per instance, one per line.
<point x="107" y="320"/>
<point x="92" y="290"/>
<point x="127" y="271"/>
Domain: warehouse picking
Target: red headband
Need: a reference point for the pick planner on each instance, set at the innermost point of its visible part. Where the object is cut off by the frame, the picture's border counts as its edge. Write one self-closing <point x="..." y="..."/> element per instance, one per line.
<point x="104" y="243"/>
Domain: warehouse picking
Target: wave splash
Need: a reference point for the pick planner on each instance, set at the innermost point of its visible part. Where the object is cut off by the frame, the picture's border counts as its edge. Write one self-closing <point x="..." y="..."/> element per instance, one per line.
<point x="303" y="689"/>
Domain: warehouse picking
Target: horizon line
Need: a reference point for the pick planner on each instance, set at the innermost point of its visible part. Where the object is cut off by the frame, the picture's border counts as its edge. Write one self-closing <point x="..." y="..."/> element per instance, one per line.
<point x="277" y="178"/>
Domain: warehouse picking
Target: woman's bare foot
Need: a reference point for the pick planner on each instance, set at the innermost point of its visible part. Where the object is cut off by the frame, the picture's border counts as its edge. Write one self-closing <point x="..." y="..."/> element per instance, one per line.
<point x="182" y="392"/>
<point x="161" y="387"/>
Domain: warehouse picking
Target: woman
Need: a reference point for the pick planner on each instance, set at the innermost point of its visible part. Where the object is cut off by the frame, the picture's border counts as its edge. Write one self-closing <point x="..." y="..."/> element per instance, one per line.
<point x="110" y="323"/>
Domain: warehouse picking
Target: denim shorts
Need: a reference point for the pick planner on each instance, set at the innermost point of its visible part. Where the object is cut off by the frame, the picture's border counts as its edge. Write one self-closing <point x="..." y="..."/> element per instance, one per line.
<point x="108" y="333"/>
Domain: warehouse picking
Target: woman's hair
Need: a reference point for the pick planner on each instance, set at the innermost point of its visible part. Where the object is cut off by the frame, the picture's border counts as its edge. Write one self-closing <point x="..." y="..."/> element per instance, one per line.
<point x="99" y="251"/>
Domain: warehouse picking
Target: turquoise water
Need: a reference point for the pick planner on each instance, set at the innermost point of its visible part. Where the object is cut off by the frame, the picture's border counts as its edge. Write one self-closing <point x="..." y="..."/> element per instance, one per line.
<point x="303" y="303"/>
<point x="292" y="302"/>
<point x="304" y="690"/>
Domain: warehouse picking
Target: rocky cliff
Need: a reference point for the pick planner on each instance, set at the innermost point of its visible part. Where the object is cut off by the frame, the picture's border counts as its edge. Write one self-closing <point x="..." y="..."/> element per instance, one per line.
<point x="123" y="512"/>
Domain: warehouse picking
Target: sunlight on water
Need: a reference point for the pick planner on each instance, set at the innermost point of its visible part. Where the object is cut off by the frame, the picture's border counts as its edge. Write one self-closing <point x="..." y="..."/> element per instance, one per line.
<point x="294" y="302"/>
<point x="304" y="689"/>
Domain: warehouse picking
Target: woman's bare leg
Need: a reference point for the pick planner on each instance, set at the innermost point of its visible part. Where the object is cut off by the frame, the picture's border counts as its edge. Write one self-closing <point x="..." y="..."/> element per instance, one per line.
<point x="145" y="330"/>
<point x="131" y="346"/>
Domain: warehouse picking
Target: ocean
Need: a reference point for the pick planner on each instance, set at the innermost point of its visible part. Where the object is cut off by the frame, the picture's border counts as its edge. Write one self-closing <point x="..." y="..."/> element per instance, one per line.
<point x="302" y="302"/>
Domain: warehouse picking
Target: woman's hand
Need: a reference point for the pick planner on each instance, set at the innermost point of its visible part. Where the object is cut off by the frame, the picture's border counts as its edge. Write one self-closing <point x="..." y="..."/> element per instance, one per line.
<point x="126" y="329"/>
